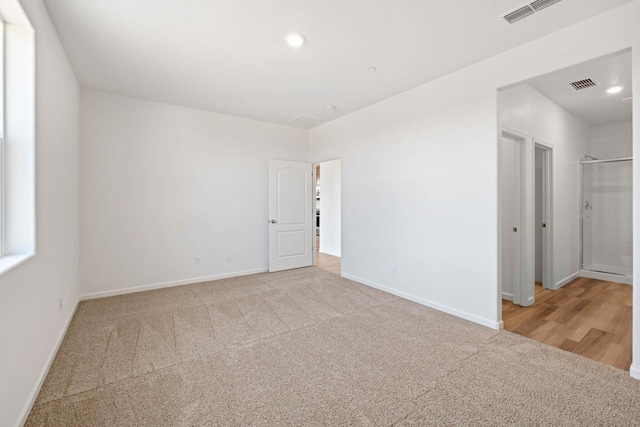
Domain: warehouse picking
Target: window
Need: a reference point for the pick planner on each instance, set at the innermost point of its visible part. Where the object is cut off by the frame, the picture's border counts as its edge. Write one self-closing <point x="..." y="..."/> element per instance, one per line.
<point x="17" y="131"/>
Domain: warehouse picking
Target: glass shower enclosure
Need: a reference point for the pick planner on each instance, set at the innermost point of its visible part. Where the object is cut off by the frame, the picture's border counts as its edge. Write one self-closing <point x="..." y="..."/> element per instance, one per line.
<point x="607" y="246"/>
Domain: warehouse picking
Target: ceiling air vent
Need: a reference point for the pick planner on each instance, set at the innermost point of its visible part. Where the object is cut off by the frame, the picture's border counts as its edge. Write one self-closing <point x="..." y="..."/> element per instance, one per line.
<point x="583" y="84"/>
<point x="528" y="10"/>
<point x="538" y="5"/>
<point x="305" y="120"/>
<point x="519" y="14"/>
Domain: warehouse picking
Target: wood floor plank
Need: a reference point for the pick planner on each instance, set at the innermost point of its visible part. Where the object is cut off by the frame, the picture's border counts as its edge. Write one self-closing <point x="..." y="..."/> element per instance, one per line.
<point x="327" y="262"/>
<point x="588" y="317"/>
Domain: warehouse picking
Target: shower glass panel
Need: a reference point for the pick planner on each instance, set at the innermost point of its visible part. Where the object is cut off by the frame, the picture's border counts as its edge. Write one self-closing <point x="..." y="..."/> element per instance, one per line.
<point x="607" y="217"/>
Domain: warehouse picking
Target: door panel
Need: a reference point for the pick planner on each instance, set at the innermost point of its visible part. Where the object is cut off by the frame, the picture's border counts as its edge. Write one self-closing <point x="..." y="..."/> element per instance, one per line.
<point x="511" y="188"/>
<point x="290" y="219"/>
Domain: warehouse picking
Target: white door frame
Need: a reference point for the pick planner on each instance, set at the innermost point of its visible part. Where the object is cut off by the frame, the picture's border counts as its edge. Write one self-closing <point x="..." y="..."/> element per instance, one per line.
<point x="547" y="212"/>
<point x="314" y="166"/>
<point x="524" y="283"/>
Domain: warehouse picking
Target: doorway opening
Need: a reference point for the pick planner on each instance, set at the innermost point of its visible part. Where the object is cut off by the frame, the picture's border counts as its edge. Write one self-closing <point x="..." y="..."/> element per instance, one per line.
<point x="565" y="208"/>
<point x="328" y="215"/>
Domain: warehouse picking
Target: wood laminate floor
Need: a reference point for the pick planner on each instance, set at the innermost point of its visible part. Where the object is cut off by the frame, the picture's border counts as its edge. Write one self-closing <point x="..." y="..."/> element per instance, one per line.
<point x="588" y="317"/>
<point x="327" y="262"/>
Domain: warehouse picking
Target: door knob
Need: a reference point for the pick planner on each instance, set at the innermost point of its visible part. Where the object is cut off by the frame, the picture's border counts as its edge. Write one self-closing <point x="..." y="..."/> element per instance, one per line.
<point x="273" y="221"/>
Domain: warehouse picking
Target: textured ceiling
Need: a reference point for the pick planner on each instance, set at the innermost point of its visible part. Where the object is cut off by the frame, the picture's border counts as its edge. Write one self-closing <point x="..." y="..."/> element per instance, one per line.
<point x="229" y="56"/>
<point x="593" y="105"/>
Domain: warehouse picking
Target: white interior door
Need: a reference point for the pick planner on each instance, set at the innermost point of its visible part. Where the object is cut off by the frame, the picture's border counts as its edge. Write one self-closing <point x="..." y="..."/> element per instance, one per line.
<point x="511" y="206"/>
<point x="290" y="219"/>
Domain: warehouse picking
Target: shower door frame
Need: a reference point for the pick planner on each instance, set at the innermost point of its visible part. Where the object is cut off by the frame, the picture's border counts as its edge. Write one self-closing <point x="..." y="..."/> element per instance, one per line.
<point x="620" y="278"/>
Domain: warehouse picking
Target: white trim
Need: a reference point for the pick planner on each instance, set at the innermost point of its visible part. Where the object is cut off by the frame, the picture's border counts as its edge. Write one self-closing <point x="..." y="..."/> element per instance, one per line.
<point x="3" y="179"/>
<point x="547" y="207"/>
<point x="566" y="280"/>
<point x="493" y="324"/>
<point x="507" y="296"/>
<point x="610" y="269"/>
<point x="634" y="371"/>
<point x="524" y="251"/>
<point x="26" y="410"/>
<point x="10" y="262"/>
<point x="314" y="214"/>
<point x="191" y="281"/>
<point x="627" y="280"/>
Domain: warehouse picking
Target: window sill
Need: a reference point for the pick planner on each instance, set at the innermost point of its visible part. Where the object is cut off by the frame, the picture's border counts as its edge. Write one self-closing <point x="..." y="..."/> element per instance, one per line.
<point x="9" y="262"/>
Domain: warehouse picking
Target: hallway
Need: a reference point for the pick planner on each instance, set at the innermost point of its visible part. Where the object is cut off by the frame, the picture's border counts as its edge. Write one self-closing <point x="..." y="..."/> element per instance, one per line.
<point x="327" y="262"/>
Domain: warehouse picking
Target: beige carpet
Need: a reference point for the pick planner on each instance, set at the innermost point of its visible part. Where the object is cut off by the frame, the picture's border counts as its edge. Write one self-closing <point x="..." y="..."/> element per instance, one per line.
<point x="306" y="347"/>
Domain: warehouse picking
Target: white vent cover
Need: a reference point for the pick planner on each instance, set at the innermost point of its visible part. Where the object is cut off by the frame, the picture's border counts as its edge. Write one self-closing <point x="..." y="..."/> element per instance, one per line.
<point x="583" y="84"/>
<point x="518" y="14"/>
<point x="538" y="5"/>
<point x="528" y="10"/>
<point x="305" y="120"/>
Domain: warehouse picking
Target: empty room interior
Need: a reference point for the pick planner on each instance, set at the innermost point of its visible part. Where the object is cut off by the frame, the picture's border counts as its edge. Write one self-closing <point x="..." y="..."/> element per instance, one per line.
<point x="315" y="212"/>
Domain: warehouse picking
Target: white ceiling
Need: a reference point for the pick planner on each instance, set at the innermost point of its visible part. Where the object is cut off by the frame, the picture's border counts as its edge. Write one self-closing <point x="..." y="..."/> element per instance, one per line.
<point x="229" y="56"/>
<point x="593" y="105"/>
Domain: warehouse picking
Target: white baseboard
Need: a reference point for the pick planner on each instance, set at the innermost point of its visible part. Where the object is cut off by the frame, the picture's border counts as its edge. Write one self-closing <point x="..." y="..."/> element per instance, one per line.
<point x="623" y="271"/>
<point x="45" y="369"/>
<point x="493" y="324"/>
<point x="634" y="371"/>
<point x="567" y="279"/>
<point x="627" y="280"/>
<point x="507" y="296"/>
<point x="191" y="281"/>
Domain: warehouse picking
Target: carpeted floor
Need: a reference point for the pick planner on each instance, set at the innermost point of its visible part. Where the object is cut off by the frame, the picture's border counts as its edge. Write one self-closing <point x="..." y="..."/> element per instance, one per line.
<point x="306" y="347"/>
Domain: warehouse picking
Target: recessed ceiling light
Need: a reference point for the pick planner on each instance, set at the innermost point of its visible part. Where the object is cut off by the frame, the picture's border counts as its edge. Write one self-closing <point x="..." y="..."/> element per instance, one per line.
<point x="371" y="69"/>
<point x="614" y="89"/>
<point x="295" y="39"/>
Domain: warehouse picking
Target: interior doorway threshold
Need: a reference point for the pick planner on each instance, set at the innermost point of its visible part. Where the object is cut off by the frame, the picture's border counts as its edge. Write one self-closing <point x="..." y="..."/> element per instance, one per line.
<point x="618" y="278"/>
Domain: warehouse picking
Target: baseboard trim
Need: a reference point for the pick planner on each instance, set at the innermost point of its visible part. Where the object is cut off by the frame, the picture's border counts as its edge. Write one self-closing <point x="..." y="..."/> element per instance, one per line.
<point x="621" y="271"/>
<point x="497" y="325"/>
<point x="507" y="296"/>
<point x="634" y="371"/>
<point x="45" y="370"/>
<point x="566" y="280"/>
<point x="626" y="280"/>
<point x="153" y="286"/>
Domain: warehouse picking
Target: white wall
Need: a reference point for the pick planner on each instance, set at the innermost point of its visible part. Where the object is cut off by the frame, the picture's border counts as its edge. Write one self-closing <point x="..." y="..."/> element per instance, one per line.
<point x="330" y="207"/>
<point x="30" y="322"/>
<point x="420" y="169"/>
<point x="610" y="141"/>
<point x="525" y="110"/>
<point x="163" y="184"/>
